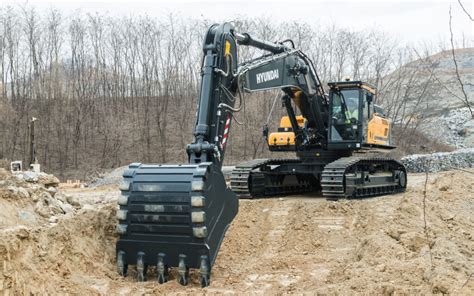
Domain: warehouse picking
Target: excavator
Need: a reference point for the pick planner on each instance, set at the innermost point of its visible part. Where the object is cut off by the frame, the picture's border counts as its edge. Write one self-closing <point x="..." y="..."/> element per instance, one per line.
<point x="176" y="216"/>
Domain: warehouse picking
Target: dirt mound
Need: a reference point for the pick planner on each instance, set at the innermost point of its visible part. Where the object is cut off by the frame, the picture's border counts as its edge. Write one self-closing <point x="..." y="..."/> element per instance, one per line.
<point x="60" y="258"/>
<point x="31" y="199"/>
<point x="275" y="246"/>
<point x="113" y="177"/>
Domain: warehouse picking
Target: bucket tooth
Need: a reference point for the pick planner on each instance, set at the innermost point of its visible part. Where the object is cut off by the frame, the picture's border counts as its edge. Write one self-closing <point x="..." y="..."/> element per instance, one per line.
<point x="204" y="272"/>
<point x="141" y="268"/>
<point x="162" y="269"/>
<point x="121" y="265"/>
<point x="183" y="270"/>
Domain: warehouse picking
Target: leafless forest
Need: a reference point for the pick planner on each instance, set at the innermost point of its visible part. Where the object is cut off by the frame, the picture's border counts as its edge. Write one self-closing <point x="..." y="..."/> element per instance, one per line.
<point x="111" y="90"/>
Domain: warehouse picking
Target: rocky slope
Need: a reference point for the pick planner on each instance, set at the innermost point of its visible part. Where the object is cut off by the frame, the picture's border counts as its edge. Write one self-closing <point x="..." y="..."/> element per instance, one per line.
<point x="439" y="161"/>
<point x="435" y="102"/>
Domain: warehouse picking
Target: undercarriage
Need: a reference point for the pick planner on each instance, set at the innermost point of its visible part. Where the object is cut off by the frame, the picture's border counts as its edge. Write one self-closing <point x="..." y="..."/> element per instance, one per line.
<point x="343" y="177"/>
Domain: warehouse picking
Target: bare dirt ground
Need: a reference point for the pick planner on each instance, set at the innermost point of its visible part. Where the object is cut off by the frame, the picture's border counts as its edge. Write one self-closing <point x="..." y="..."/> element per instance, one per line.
<point x="300" y="245"/>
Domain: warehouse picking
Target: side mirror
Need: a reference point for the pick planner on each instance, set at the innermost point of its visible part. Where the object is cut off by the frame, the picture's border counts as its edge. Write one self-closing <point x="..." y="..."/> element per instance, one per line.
<point x="370" y="97"/>
<point x="265" y="132"/>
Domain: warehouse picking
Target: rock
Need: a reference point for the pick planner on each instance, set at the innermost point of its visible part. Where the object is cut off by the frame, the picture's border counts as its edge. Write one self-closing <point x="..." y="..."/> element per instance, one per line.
<point x="440" y="161"/>
<point x="52" y="190"/>
<point x="53" y="219"/>
<point x="22" y="232"/>
<point x="23" y="192"/>
<point x="29" y="176"/>
<point x="393" y="233"/>
<point x="34" y="197"/>
<point x="67" y="208"/>
<point x="440" y="285"/>
<point x="70" y="200"/>
<point x="380" y="267"/>
<point x="13" y="191"/>
<point x="463" y="132"/>
<point x="41" y="209"/>
<point x="89" y="207"/>
<point x="47" y="180"/>
<point x="46" y="196"/>
<point x="56" y="207"/>
<point x="40" y="178"/>
<point x="59" y="196"/>
<point x="36" y="187"/>
<point x="17" y="192"/>
<point x="444" y="188"/>
<point x="455" y="127"/>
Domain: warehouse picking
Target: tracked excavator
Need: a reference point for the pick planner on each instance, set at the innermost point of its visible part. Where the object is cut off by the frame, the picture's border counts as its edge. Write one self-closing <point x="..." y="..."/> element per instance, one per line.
<point x="176" y="216"/>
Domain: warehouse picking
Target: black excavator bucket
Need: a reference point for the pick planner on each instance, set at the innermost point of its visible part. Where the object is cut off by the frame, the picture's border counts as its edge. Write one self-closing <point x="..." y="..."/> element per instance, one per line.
<point x="173" y="216"/>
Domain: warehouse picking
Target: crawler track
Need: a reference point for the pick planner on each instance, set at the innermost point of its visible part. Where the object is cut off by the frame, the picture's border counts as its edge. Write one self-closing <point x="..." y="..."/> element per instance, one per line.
<point x="358" y="177"/>
<point x="346" y="177"/>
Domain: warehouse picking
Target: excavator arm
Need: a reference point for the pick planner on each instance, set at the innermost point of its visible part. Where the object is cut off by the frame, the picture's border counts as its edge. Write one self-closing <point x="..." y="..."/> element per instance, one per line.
<point x="217" y="97"/>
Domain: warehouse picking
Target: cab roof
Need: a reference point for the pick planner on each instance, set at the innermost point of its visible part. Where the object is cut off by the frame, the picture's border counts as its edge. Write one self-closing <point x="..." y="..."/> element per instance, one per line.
<point x="353" y="84"/>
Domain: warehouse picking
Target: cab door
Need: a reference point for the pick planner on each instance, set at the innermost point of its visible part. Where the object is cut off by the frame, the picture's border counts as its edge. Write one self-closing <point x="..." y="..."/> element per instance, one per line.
<point x="346" y="124"/>
<point x="377" y="129"/>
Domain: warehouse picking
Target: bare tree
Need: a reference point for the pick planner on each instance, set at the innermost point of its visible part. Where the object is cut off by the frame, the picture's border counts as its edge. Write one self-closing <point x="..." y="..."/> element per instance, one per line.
<point x="465" y="98"/>
<point x="111" y="90"/>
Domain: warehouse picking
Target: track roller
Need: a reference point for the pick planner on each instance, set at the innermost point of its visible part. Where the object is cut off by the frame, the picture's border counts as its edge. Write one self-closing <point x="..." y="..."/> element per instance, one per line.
<point x="122" y="267"/>
<point x="204" y="272"/>
<point x="162" y="269"/>
<point x="183" y="271"/>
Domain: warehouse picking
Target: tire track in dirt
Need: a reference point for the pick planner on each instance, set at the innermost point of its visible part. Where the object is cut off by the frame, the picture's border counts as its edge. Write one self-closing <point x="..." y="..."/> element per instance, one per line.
<point x="273" y="229"/>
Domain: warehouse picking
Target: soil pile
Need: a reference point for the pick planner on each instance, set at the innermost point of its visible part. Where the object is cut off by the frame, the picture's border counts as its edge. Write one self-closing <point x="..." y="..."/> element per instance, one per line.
<point x="284" y="245"/>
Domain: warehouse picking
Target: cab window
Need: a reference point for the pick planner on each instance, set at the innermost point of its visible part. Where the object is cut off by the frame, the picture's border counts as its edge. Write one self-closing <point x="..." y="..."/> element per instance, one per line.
<point x="345" y="114"/>
<point x="350" y="110"/>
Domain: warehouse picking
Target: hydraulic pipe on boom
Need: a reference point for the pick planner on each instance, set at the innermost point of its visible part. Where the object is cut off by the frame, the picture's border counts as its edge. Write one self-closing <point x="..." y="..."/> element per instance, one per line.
<point x="246" y="39"/>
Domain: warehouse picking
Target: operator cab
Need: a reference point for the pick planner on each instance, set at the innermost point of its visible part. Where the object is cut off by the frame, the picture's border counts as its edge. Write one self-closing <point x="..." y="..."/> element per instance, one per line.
<point x="355" y="121"/>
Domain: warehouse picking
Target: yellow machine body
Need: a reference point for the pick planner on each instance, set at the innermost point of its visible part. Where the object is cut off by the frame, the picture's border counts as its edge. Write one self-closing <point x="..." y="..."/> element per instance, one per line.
<point x="285" y="135"/>
<point x="378" y="130"/>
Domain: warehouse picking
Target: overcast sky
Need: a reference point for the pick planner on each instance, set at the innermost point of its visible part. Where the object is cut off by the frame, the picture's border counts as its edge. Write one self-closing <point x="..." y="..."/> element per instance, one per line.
<point x="410" y="21"/>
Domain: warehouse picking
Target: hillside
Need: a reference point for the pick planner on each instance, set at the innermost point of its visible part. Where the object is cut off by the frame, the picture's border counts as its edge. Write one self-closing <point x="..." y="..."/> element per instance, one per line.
<point x="426" y="95"/>
<point x="444" y="81"/>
